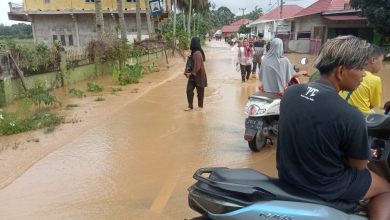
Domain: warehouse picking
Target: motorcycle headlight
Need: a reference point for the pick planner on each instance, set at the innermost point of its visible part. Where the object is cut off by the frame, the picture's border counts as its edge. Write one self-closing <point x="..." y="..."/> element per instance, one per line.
<point x="255" y="110"/>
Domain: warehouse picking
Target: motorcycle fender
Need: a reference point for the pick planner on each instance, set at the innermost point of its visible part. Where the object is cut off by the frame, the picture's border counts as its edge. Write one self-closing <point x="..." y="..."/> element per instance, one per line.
<point x="251" y="128"/>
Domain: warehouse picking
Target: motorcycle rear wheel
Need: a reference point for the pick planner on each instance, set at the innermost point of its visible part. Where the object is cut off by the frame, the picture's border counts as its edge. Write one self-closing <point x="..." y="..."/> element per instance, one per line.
<point x="258" y="142"/>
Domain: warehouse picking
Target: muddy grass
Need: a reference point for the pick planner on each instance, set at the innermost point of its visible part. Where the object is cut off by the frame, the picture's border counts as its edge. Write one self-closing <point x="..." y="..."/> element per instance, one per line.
<point x="21" y="151"/>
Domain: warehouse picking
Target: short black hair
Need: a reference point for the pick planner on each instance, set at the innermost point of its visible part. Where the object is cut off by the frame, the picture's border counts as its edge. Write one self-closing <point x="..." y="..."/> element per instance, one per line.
<point x="260" y="35"/>
<point x="376" y="51"/>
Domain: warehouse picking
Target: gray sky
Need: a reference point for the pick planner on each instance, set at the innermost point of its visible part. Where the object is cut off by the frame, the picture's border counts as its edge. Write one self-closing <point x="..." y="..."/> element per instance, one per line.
<point x="233" y="5"/>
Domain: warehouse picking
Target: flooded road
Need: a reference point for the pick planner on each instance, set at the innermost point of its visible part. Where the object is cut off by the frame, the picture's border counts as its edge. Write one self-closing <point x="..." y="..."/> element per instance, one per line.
<point x="137" y="161"/>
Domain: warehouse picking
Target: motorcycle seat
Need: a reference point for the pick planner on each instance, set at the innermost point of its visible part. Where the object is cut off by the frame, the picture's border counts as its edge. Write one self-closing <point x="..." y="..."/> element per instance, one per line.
<point x="265" y="186"/>
<point x="269" y="96"/>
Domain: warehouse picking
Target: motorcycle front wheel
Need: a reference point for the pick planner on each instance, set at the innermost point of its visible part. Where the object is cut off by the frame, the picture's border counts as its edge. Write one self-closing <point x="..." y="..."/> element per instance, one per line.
<point x="259" y="141"/>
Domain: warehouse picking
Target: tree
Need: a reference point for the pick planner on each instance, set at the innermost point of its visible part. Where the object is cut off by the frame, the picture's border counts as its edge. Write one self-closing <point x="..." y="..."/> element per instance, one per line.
<point x="244" y="30"/>
<point x="99" y="19"/>
<point x="122" y="23"/>
<point x="187" y="6"/>
<point x="255" y="14"/>
<point x="138" y="18"/>
<point x="147" y="11"/>
<point x="377" y="13"/>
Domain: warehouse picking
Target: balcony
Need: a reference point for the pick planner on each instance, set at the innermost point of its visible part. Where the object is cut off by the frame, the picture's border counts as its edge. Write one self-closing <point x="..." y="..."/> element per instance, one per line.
<point x="15" y="7"/>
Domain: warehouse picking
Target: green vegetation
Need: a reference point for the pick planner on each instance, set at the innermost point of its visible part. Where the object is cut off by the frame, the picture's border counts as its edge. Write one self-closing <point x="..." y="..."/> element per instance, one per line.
<point x="128" y="75"/>
<point x="76" y="92"/>
<point x="377" y="13"/>
<point x="94" y="87"/>
<point x="11" y="124"/>
<point x="71" y="106"/>
<point x="19" y="31"/>
<point x="99" y="99"/>
<point x="38" y="95"/>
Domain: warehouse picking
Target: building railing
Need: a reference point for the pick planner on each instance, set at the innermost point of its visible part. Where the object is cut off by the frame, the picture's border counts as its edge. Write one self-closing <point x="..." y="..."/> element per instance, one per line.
<point x="15" y="7"/>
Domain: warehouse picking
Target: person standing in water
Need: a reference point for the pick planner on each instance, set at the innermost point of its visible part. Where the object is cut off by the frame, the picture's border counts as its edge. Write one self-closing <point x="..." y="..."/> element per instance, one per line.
<point x="197" y="78"/>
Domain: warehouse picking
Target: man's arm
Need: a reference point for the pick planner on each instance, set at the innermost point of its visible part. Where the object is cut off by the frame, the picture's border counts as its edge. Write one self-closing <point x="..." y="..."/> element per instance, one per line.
<point x="358" y="164"/>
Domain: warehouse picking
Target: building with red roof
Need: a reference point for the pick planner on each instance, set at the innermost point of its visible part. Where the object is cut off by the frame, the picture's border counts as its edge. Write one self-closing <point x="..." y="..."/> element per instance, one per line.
<point x="229" y="31"/>
<point x="313" y="25"/>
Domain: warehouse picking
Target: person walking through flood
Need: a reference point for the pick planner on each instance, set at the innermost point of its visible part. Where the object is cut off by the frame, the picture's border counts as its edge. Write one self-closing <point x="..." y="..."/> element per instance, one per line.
<point x="245" y="58"/>
<point x="258" y="51"/>
<point x="197" y="78"/>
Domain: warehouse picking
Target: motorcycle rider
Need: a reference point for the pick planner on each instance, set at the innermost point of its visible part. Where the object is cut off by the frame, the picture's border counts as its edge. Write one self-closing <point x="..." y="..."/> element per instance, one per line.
<point x="276" y="71"/>
<point x="322" y="140"/>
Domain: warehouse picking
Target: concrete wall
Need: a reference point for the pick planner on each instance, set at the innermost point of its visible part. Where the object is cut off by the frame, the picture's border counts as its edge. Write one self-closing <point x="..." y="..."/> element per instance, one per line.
<point x="79" y="28"/>
<point x="11" y="88"/>
<point x="54" y="5"/>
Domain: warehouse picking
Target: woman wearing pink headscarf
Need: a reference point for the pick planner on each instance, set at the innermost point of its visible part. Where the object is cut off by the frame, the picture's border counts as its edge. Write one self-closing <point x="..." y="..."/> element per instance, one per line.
<point x="244" y="58"/>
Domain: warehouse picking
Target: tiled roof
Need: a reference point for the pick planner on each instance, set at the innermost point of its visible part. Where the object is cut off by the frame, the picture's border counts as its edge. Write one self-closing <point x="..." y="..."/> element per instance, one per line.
<point x="240" y="22"/>
<point x="323" y="6"/>
<point x="230" y="28"/>
<point x="288" y="12"/>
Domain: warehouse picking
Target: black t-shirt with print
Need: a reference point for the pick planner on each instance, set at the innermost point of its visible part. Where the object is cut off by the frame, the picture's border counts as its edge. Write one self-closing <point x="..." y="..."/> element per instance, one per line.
<point x="317" y="131"/>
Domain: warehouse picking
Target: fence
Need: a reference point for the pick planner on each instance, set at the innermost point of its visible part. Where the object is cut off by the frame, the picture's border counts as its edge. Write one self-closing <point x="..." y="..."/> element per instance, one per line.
<point x="5" y="69"/>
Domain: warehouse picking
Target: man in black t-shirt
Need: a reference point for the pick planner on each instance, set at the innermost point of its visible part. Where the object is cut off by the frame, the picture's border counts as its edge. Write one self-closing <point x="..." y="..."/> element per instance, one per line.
<point x="322" y="141"/>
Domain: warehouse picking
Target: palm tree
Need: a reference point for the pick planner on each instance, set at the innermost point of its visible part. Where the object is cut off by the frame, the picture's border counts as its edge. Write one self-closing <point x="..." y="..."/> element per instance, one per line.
<point x="99" y="19"/>
<point x="122" y="23"/>
<point x="187" y="6"/>
<point x="138" y="18"/>
<point x="174" y="23"/>
<point x="147" y="11"/>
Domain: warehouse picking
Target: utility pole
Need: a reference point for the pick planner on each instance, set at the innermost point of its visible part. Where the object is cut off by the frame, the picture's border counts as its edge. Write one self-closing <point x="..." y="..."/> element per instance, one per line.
<point x="243" y="9"/>
<point x="281" y="9"/>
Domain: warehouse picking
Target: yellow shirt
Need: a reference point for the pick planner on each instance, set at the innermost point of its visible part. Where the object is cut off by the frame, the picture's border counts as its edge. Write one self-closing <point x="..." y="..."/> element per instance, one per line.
<point x="368" y="95"/>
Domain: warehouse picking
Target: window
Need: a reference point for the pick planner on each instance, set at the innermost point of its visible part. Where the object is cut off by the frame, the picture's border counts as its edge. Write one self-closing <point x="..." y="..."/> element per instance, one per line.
<point x="89" y="1"/>
<point x="70" y="40"/>
<point x="303" y="35"/>
<point x="46" y="1"/>
<point x="130" y="0"/>
<point x="55" y="37"/>
<point x="63" y="42"/>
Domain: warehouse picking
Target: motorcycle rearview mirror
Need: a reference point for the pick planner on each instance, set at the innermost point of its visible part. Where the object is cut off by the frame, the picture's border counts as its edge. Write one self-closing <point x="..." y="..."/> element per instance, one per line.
<point x="304" y="60"/>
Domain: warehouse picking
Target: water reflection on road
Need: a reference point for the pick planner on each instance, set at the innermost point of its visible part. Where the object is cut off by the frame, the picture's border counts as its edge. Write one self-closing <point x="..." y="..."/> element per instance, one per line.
<point x="139" y="163"/>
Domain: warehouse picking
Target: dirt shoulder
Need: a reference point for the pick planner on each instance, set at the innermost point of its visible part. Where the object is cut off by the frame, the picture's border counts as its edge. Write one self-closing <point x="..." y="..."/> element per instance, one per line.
<point x="21" y="151"/>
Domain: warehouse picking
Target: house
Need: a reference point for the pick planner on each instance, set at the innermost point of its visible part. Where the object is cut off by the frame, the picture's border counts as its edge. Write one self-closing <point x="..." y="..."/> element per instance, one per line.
<point x="326" y="19"/>
<point x="308" y="28"/>
<point x="72" y="22"/>
<point x="230" y="31"/>
<point x="273" y="23"/>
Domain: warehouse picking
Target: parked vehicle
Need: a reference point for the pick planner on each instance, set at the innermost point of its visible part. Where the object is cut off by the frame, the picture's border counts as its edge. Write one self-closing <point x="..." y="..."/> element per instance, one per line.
<point x="262" y="109"/>
<point x="241" y="194"/>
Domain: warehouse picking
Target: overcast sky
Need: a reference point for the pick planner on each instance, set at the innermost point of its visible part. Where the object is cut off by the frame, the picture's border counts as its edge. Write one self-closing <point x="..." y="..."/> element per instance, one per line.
<point x="249" y="5"/>
<point x="233" y="5"/>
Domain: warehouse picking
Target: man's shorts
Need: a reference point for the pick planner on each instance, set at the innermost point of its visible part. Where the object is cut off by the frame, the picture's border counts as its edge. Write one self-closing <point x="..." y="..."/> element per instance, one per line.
<point x="359" y="186"/>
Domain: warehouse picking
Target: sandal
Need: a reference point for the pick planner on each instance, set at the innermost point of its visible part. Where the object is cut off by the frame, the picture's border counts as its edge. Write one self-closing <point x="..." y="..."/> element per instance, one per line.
<point x="188" y="109"/>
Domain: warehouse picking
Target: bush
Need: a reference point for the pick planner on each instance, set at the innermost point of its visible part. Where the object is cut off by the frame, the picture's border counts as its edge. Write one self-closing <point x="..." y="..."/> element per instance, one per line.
<point x="130" y="74"/>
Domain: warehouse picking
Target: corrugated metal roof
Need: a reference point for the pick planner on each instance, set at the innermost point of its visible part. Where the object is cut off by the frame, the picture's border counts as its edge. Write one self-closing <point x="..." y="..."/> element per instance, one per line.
<point x="288" y="12"/>
<point x="323" y="6"/>
<point x="345" y="18"/>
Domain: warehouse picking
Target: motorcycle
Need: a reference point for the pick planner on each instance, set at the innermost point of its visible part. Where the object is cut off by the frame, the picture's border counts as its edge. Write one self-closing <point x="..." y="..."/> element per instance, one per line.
<point x="262" y="109"/>
<point x="225" y="194"/>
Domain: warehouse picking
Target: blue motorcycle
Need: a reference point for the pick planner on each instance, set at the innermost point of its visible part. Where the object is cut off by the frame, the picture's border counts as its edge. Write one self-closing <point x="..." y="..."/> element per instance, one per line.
<point x="241" y="194"/>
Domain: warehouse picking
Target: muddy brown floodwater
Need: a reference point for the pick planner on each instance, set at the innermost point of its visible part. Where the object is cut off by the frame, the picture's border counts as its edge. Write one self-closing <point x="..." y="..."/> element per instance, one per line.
<point x="132" y="155"/>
